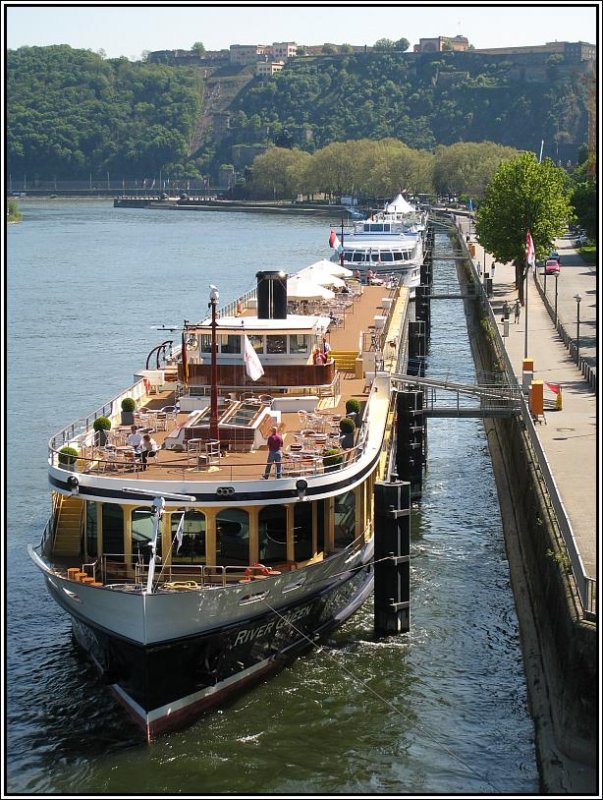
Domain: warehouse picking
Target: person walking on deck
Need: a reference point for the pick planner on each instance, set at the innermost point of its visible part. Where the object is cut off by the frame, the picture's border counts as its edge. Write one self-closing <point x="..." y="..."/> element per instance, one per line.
<point x="517" y="310"/>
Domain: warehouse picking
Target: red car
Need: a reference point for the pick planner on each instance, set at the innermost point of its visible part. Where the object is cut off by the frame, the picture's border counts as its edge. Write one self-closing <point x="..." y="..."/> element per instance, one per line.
<point x="551" y="267"/>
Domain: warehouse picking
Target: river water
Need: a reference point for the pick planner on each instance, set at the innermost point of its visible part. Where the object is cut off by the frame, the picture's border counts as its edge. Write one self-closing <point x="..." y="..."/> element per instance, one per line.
<point x="441" y="710"/>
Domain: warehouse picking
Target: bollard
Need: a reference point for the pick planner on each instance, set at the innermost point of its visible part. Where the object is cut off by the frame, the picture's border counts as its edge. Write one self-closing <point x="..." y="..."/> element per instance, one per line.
<point x="392" y="557"/>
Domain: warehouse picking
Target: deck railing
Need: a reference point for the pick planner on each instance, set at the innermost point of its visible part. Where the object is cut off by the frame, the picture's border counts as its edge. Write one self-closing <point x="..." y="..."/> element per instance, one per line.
<point x="97" y="462"/>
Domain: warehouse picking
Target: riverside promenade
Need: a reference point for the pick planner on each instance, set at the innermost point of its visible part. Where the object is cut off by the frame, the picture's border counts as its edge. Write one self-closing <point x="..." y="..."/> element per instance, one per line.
<point x="568" y="437"/>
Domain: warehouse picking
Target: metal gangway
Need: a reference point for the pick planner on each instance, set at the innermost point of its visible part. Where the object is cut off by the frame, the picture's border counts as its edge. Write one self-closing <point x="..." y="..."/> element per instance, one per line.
<point x="444" y="398"/>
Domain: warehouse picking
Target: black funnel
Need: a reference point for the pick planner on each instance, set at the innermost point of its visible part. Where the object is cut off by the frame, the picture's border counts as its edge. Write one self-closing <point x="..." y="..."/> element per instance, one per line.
<point x="272" y="295"/>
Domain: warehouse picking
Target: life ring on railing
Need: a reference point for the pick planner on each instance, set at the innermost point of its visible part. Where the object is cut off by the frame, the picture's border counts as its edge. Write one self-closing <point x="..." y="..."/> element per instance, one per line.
<point x="254" y="568"/>
<point x="147" y="385"/>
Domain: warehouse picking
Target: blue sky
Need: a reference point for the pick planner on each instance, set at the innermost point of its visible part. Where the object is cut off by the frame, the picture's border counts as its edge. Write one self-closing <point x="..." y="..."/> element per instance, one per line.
<point x="128" y="31"/>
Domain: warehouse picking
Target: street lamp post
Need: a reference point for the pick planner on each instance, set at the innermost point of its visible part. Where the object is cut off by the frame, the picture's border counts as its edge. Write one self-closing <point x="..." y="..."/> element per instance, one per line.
<point x="213" y="408"/>
<point x="556" y="295"/>
<point x="578" y="298"/>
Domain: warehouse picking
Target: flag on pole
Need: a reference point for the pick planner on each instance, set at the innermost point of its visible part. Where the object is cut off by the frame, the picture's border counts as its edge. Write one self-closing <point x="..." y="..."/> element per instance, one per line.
<point x="180" y="532"/>
<point x="253" y="366"/>
<point x="530" y="253"/>
<point x="334" y="241"/>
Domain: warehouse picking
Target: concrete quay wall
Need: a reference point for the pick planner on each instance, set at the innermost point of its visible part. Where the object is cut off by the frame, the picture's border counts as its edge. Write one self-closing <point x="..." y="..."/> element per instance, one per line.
<point x="560" y="647"/>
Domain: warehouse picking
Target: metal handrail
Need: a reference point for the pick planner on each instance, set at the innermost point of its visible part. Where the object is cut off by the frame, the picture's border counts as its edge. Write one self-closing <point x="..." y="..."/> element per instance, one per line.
<point x="316" y="469"/>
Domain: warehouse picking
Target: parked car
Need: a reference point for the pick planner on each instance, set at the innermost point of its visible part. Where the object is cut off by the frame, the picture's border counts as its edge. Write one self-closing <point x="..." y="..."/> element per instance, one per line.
<point x="581" y="240"/>
<point x="551" y="267"/>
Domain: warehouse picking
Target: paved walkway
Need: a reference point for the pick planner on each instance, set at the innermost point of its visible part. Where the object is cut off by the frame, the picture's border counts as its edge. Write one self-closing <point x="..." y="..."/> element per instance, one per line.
<point x="569" y="436"/>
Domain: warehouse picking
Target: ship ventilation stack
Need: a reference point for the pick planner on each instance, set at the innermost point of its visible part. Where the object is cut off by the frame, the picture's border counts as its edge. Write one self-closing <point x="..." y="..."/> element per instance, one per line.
<point x="272" y="295"/>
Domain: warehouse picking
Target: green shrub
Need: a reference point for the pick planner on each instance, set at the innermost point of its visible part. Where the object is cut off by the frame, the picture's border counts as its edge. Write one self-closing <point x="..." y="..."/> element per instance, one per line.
<point x="68" y="456"/>
<point x="332" y="459"/>
<point x="347" y="425"/>
<point x="128" y="404"/>
<point x="352" y="406"/>
<point x="102" y="424"/>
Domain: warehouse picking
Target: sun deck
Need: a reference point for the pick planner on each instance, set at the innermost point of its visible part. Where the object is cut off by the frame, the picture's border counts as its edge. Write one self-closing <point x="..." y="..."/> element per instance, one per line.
<point x="364" y="338"/>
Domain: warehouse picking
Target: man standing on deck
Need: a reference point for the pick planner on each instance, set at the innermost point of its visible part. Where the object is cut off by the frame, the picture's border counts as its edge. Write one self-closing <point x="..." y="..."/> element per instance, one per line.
<point x="275" y="446"/>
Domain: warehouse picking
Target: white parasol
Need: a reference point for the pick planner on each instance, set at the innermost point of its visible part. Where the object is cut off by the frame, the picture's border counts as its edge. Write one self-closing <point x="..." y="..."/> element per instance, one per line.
<point x="332" y="267"/>
<point x="299" y="288"/>
<point x="321" y="277"/>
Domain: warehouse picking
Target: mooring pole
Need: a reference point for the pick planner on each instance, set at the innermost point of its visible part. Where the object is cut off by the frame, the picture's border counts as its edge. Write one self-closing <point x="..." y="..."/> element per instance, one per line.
<point x="392" y="557"/>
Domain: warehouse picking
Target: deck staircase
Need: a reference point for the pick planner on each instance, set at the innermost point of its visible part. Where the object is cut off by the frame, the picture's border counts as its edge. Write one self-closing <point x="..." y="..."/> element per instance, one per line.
<point x="69" y="527"/>
<point x="345" y="360"/>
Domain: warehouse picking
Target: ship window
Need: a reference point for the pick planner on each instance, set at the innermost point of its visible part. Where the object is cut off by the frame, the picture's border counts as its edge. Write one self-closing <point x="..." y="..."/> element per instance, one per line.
<point x="230" y="343"/>
<point x="298" y="343"/>
<point x="257" y="342"/>
<point x="302" y="531"/>
<point x="398" y="256"/>
<point x="273" y="534"/>
<point x="276" y="344"/>
<point x="374" y="256"/>
<point x="387" y="257"/>
<point x="345" y="518"/>
<point x="205" y="343"/>
<point x="91" y="529"/>
<point x="358" y="256"/>
<point x="232" y="536"/>
<point x="142" y="534"/>
<point x="192" y="549"/>
<point x="113" y="529"/>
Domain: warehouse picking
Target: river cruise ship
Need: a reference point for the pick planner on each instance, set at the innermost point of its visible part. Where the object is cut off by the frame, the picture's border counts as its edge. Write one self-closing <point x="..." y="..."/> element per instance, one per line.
<point x="390" y="242"/>
<point x="188" y="574"/>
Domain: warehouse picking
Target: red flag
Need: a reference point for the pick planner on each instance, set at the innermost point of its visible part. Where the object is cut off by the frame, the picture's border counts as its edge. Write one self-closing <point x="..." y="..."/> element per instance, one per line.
<point x="554" y="387"/>
<point x="334" y="241"/>
<point x="530" y="253"/>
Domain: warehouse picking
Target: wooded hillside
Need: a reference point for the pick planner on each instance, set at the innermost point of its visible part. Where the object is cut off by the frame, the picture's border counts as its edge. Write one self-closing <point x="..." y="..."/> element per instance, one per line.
<point x="74" y="114"/>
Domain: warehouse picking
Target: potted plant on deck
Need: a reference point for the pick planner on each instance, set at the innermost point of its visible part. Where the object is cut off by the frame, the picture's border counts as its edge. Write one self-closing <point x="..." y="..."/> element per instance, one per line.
<point x="332" y="459"/>
<point x="347" y="426"/>
<point x="101" y="425"/>
<point x="128" y="406"/>
<point x="67" y="457"/>
<point x="352" y="409"/>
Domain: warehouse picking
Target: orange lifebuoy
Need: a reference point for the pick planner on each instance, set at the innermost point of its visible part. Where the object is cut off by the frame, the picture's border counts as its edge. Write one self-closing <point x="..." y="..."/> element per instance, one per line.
<point x="263" y="570"/>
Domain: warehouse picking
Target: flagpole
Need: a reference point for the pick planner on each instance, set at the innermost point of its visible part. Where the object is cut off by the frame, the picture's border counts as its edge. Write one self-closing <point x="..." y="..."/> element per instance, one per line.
<point x="525" y="347"/>
<point x="530" y="259"/>
<point x="213" y="409"/>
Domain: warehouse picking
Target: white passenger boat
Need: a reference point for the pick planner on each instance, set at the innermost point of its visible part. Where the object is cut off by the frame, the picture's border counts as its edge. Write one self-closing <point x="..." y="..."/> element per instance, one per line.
<point x="388" y="243"/>
<point x="190" y="576"/>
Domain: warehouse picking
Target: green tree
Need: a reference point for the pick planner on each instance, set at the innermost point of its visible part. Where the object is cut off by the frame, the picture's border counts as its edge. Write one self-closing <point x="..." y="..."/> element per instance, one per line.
<point x="198" y="48"/>
<point x="523" y="195"/>
<point x="402" y="44"/>
<point x="584" y="201"/>
<point x="467" y="167"/>
<point x="384" y="44"/>
<point x="277" y="173"/>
